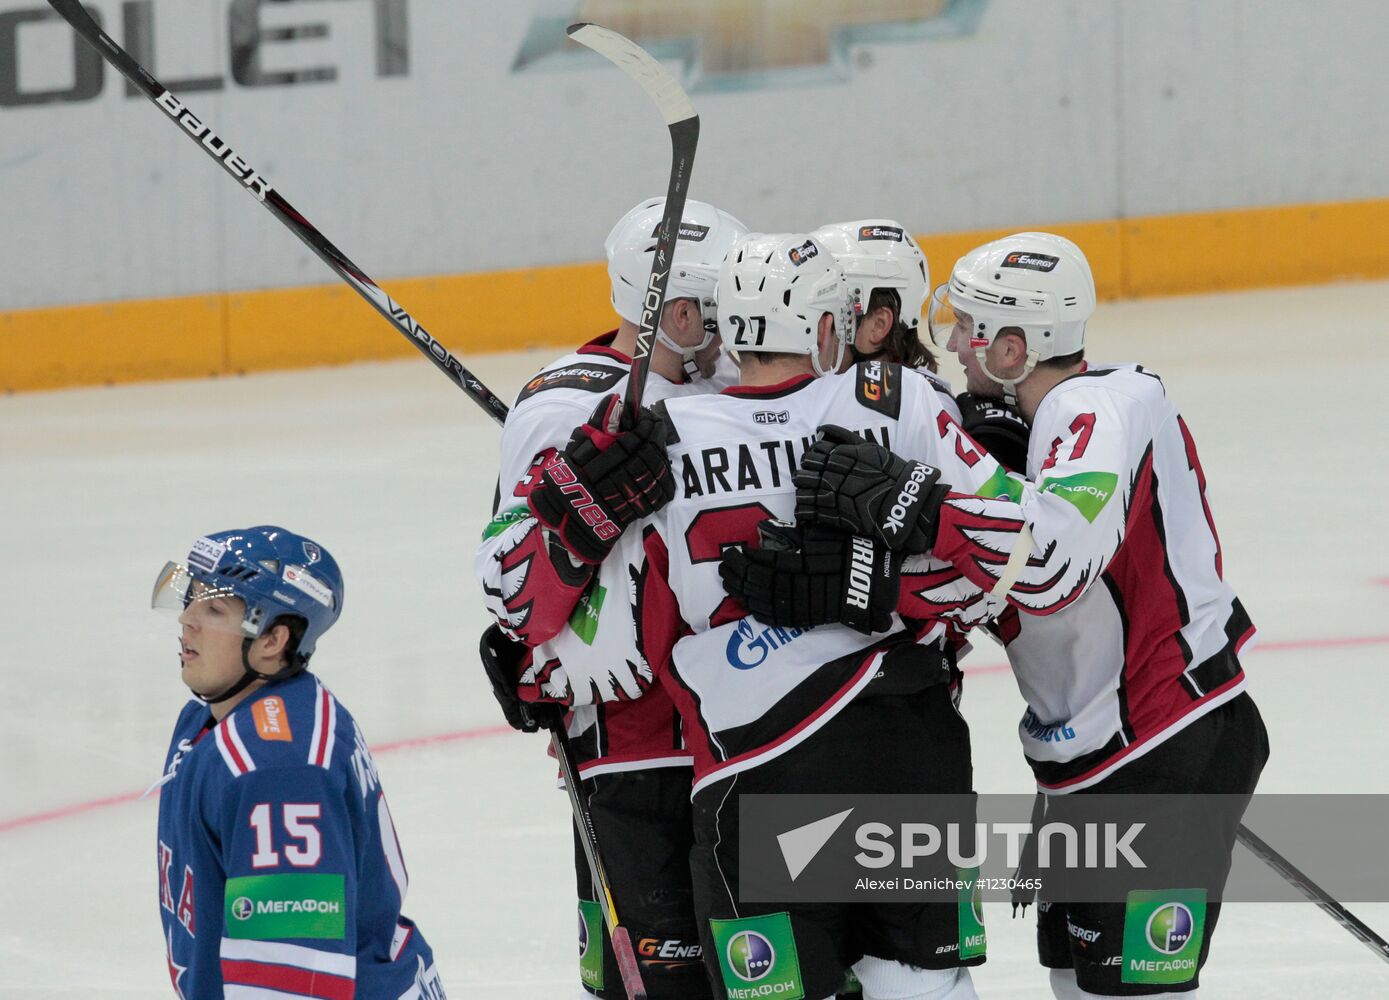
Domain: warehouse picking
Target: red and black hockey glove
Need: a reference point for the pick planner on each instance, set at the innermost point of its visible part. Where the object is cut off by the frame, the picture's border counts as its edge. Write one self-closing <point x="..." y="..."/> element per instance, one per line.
<point x="997" y="428"/>
<point x="860" y="487"/>
<point x="606" y="478"/>
<point x="803" y="576"/>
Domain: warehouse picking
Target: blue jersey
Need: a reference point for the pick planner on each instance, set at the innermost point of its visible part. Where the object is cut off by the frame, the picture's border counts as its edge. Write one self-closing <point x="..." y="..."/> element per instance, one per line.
<point x="279" y="871"/>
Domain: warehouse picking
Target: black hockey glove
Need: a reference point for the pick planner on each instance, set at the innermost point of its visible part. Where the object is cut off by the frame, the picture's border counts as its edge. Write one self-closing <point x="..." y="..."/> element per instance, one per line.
<point x="803" y="576"/>
<point x="860" y="487"/>
<point x="607" y="477"/>
<point x="501" y="658"/>
<point x="997" y="428"/>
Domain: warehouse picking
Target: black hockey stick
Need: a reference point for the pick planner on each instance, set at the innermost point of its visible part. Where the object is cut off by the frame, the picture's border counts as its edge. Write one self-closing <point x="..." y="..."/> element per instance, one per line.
<point x="1315" y="893"/>
<point x="679" y="115"/>
<point x="618" y="934"/>
<point x="212" y="144"/>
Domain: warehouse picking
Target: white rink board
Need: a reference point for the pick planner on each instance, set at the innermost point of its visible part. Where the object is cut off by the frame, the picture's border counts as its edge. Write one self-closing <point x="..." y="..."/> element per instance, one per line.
<point x="392" y="468"/>
<point x="458" y="161"/>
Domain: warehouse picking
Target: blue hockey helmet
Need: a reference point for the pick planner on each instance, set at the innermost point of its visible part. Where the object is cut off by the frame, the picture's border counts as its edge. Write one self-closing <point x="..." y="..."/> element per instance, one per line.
<point x="273" y="571"/>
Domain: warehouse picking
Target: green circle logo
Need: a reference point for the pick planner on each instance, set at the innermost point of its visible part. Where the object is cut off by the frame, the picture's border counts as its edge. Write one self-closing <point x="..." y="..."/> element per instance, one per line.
<point x="1169" y="928"/>
<point x="242" y="908"/>
<point x="751" y="956"/>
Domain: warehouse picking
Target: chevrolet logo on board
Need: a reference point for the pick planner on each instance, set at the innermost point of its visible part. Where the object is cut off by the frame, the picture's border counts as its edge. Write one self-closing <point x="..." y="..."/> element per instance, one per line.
<point x="746" y="45"/>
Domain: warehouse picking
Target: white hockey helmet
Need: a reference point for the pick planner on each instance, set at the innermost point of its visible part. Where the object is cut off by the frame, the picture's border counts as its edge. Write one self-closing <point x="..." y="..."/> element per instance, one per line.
<point x="880" y="253"/>
<point x="706" y="233"/>
<point x="773" y="289"/>
<point x="1036" y="282"/>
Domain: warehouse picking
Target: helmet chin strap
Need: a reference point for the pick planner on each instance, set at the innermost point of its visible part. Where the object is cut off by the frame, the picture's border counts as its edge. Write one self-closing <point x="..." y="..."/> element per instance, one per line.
<point x="819" y="369"/>
<point x="1010" y="385"/>
<point x="687" y="354"/>
<point x="250" y="675"/>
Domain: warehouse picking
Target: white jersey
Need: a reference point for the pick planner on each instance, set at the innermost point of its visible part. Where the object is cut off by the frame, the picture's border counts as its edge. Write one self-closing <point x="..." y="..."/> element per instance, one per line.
<point x="1149" y="637"/>
<point x="748" y="692"/>
<point x="578" y="623"/>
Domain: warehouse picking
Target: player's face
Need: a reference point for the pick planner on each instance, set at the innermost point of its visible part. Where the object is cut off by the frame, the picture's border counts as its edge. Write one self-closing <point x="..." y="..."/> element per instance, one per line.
<point x="210" y="646"/>
<point x="975" y="380"/>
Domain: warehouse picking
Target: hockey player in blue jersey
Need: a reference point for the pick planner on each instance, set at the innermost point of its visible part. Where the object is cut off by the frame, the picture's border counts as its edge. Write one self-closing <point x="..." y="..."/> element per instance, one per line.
<point x="279" y="870"/>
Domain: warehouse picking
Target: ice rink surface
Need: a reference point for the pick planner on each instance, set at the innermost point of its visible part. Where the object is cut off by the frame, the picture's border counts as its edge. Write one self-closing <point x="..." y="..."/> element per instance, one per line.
<point x="392" y="468"/>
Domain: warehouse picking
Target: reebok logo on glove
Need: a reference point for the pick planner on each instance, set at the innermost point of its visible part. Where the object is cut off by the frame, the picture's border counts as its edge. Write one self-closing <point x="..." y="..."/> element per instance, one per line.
<point x="582" y="501"/>
<point x="911" y="489"/>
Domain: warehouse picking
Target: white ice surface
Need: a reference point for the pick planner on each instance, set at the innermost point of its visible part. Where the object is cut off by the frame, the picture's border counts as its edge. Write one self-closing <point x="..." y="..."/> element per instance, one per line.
<point x="392" y="467"/>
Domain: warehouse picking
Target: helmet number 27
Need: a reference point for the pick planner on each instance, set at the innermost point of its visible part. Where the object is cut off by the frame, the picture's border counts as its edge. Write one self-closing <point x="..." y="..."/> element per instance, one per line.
<point x="756" y="325"/>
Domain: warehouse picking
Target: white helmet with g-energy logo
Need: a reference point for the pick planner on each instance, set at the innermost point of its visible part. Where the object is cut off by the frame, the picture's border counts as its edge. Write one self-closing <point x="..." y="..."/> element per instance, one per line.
<point x="880" y="253"/>
<point x="1037" y="282"/>
<point x="706" y="233"/>
<point x="773" y="289"/>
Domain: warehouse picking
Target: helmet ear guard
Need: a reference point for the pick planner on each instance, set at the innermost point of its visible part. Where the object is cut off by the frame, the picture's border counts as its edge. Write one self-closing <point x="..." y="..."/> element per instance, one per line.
<point x="773" y="290"/>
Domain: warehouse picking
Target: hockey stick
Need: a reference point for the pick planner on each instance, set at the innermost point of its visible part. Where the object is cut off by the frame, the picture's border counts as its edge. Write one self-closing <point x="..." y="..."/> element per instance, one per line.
<point x="212" y="144"/>
<point x="1313" y="892"/>
<point x="73" y="12"/>
<point x="680" y="116"/>
<point x="618" y="934"/>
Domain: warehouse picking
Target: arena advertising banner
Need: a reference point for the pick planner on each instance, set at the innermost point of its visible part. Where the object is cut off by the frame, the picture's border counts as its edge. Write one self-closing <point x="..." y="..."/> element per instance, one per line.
<point x="456" y="138"/>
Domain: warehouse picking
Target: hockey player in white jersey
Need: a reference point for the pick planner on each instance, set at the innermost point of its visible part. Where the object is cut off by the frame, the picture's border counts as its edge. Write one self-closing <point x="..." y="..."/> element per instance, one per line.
<point x="560" y="586"/>
<point x="1127" y="645"/>
<point x="771" y="710"/>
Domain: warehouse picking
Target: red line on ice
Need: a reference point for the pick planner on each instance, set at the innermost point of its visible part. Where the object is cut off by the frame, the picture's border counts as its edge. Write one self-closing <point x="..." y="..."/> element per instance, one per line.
<point x="481" y="732"/>
<point x="62" y="812"/>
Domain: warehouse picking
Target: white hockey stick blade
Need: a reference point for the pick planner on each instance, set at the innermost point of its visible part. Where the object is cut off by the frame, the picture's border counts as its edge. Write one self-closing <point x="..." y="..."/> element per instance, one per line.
<point x="637" y="63"/>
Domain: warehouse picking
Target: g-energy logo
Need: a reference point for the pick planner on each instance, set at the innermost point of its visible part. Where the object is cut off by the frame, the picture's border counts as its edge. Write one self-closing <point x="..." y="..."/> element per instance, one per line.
<point x="588" y="378"/>
<point x="880" y="233"/>
<point x="689" y="231"/>
<point x="580" y="374"/>
<point x="873" y="380"/>
<point x="1031" y="261"/>
<point x="230" y="159"/>
<point x="799" y="255"/>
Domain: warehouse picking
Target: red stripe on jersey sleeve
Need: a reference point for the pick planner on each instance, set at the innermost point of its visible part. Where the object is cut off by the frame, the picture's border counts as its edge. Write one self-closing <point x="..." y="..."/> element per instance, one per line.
<point x="230" y="745"/>
<point x="323" y="727"/>
<point x="1151" y="606"/>
<point x="287" y="979"/>
<point x="659" y="627"/>
<point x="658" y="619"/>
<point x="1193" y="462"/>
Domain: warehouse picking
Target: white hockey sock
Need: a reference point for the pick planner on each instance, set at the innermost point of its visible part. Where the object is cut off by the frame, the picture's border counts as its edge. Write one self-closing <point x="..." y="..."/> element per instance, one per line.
<point x="883" y="979"/>
<point x="1064" y="987"/>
